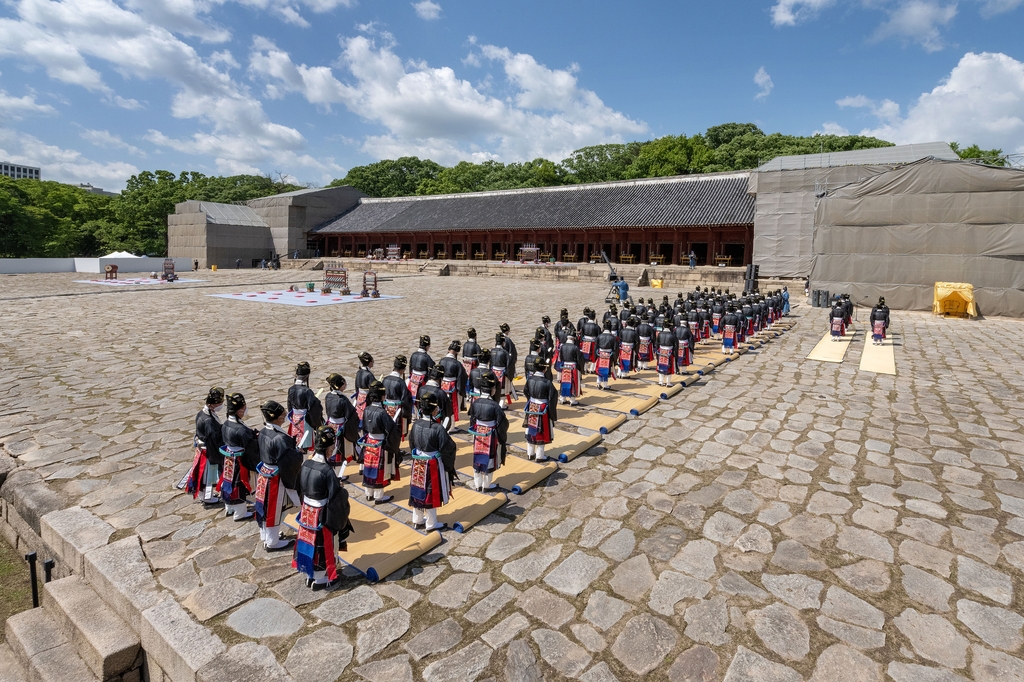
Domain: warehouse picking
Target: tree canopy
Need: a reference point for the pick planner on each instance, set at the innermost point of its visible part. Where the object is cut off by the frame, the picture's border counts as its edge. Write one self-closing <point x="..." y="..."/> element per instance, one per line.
<point x="730" y="146"/>
<point x="993" y="157"/>
<point x="51" y="219"/>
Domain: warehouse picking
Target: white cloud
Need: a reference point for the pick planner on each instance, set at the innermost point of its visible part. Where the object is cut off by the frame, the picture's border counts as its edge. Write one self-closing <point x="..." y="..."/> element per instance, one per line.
<point x="832" y="128"/>
<point x="65" y="36"/>
<point x="763" y="81"/>
<point x="425" y="9"/>
<point x="64" y="165"/>
<point x="289" y="10"/>
<point x="429" y="111"/>
<point x="792" y="12"/>
<point x="108" y="140"/>
<point x="886" y="110"/>
<point x="990" y="8"/>
<point x="918" y="21"/>
<point x="12" y="107"/>
<point x="981" y="101"/>
<point x="185" y="17"/>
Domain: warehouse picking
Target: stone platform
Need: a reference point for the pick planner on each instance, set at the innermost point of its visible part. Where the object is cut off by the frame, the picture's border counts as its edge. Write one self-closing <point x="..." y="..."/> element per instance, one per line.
<point x="781" y="519"/>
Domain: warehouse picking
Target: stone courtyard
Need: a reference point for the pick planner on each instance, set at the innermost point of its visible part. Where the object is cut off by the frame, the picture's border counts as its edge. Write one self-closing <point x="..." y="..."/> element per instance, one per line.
<point x="782" y="519"/>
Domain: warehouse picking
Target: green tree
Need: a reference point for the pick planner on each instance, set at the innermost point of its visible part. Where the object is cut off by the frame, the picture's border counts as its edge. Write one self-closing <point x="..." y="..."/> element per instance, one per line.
<point x="992" y="157"/>
<point x="718" y="135"/>
<point x="603" y="162"/>
<point x="390" y="178"/>
<point x="17" y="231"/>
<point x="671" y="155"/>
<point x="751" y="149"/>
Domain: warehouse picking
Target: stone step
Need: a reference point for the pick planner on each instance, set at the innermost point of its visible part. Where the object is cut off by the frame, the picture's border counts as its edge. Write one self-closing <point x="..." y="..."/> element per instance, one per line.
<point x="42" y="650"/>
<point x="103" y="640"/>
<point x="10" y="669"/>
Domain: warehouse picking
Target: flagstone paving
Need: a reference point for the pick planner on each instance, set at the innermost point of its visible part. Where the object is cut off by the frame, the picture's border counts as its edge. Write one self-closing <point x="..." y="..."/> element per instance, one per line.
<point x="782" y="519"/>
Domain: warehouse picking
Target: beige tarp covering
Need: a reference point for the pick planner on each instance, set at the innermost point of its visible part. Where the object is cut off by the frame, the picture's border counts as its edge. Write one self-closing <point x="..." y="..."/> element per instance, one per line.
<point x="898" y="233"/>
<point x="784" y="216"/>
<point x="954" y="298"/>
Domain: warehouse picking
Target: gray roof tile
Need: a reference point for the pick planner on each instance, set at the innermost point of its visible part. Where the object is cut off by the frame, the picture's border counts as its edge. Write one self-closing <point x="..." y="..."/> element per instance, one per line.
<point x="682" y="201"/>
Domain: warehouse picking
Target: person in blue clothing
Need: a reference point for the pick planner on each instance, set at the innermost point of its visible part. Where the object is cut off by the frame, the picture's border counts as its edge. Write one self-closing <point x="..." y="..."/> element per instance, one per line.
<point x="623" y="288"/>
<point x="785" y="301"/>
<point x="693" y="260"/>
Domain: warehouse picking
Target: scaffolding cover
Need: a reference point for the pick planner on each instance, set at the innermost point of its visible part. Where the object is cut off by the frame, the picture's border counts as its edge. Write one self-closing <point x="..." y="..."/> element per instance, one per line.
<point x="900" y="232"/>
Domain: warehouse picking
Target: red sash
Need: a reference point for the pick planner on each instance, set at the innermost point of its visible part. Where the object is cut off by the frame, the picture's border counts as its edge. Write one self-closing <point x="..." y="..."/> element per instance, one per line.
<point x="586" y="347"/>
<point x="837" y="325"/>
<point x="360" y="401"/>
<point x="729" y="333"/>
<point x="879" y="328"/>
<point x="644" y="352"/>
<point x="449" y="386"/>
<point x="309" y="524"/>
<point x="604" y="361"/>
<point x="416" y="379"/>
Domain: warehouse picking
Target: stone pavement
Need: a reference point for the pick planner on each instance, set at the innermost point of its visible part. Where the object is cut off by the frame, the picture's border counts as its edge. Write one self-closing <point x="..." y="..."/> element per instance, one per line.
<point x="783" y="519"/>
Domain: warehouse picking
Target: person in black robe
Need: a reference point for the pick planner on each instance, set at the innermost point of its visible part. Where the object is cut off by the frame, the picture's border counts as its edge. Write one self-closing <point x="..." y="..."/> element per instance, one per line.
<point x="588" y="340"/>
<point x="443" y="415"/>
<point x="433" y="466"/>
<point x="488" y="426"/>
<point x="323" y="518"/>
<point x="628" y="341"/>
<point x="544" y="335"/>
<point x="419" y="364"/>
<point x="645" y="344"/>
<point x="571" y="361"/>
<point x="364" y="377"/>
<point x="687" y="344"/>
<point x="241" y="455"/>
<point x="276" y="476"/>
<point x="848" y="309"/>
<point x="379" y="446"/>
<point x="342" y="418"/>
<point x="470" y="356"/>
<point x="731" y="323"/>
<point x="202" y="477"/>
<point x="509" y="346"/>
<point x="454" y="380"/>
<point x="305" y="412"/>
<point x="879" y="319"/>
<point x="541" y="412"/>
<point x="582" y="321"/>
<point x="482" y="369"/>
<point x="607" y="354"/>
<point x="398" y="401"/>
<point x="837" y="320"/>
<point x="503" y="368"/>
<point x="668" y="348"/>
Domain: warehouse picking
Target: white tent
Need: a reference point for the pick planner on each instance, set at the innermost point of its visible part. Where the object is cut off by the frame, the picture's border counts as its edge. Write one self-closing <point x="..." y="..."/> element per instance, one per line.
<point x="121" y="254"/>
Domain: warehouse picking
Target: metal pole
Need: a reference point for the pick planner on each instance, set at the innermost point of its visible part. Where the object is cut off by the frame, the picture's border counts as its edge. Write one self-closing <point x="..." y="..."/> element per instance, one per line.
<point x="48" y="570"/>
<point x="31" y="559"/>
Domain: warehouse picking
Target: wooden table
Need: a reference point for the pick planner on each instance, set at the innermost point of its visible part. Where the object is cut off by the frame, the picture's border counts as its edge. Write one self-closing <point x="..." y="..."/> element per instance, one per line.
<point x="627" y="258"/>
<point x="569" y="258"/>
<point x="660" y="260"/>
<point x="479" y="256"/>
<point x="723" y="260"/>
<point x="424" y="255"/>
<point x="460" y="256"/>
<point x="500" y="255"/>
<point x="441" y="255"/>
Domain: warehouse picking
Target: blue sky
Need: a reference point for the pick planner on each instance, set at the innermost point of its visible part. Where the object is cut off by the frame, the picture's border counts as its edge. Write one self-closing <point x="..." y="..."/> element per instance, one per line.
<point x="96" y="90"/>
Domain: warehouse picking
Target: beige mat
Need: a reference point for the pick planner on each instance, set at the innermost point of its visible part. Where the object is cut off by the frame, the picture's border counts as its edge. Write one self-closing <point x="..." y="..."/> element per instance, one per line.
<point x="878" y="359"/>
<point x="592" y="420"/>
<point x="516" y="474"/>
<point x="465" y="507"/>
<point x="626" y="404"/>
<point x="645" y="389"/>
<point x="828" y="350"/>
<point x="379" y="545"/>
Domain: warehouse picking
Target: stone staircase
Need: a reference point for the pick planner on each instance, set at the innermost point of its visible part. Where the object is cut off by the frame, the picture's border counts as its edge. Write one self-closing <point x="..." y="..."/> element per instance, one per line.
<point x="74" y="636"/>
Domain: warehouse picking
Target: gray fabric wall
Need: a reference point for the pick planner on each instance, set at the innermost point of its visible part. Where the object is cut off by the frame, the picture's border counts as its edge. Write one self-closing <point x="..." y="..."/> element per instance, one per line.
<point x="899" y="232"/>
<point x="784" y="214"/>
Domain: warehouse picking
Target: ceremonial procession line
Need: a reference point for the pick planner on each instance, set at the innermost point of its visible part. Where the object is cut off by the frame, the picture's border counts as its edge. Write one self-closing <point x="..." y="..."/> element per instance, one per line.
<point x="381" y="544"/>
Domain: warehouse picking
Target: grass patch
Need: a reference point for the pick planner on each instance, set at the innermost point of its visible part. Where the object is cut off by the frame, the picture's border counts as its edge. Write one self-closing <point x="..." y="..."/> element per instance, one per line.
<point x="14" y="584"/>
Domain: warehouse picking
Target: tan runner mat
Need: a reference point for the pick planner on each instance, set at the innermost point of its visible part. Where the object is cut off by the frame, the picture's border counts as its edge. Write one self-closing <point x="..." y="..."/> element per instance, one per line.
<point x="878" y="359"/>
<point x="516" y="474"/>
<point x="465" y="506"/>
<point x="640" y="388"/>
<point x="566" y="446"/>
<point x="379" y="545"/>
<point x="626" y="404"/>
<point x="594" y="421"/>
<point x="828" y="350"/>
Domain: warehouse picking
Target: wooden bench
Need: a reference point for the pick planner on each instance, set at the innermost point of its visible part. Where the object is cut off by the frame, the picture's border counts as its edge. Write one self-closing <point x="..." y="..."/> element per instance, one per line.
<point x="723" y="260"/>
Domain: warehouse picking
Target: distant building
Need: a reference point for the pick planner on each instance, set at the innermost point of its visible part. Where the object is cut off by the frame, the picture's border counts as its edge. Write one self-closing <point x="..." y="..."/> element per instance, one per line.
<point x="17" y="171"/>
<point x="95" y="190"/>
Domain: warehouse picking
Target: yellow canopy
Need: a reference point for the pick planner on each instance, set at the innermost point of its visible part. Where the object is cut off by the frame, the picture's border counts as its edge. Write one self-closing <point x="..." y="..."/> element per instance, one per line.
<point x="954" y="298"/>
